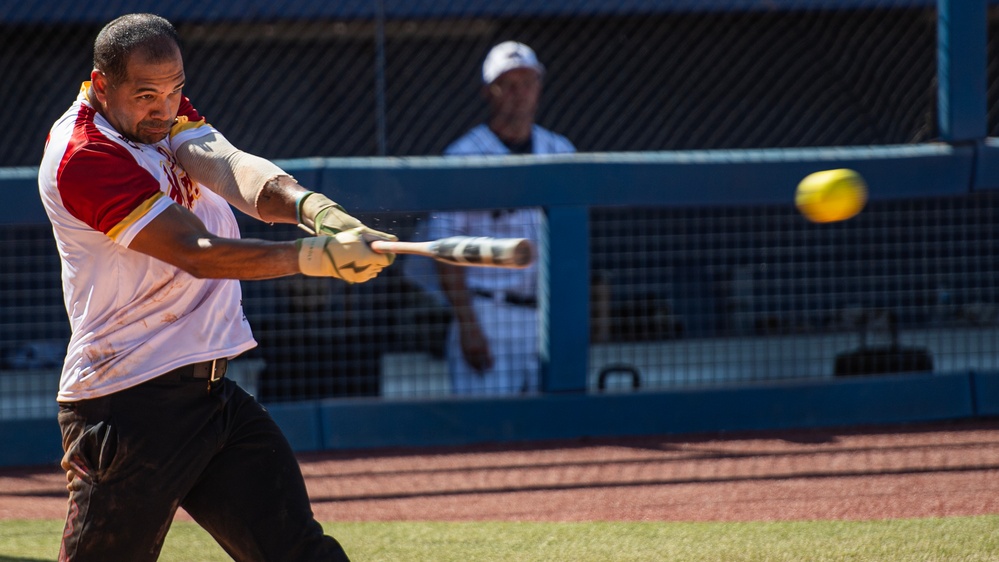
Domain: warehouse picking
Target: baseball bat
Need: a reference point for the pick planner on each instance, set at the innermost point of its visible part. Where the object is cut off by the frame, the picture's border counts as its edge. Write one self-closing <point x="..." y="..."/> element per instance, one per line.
<point x="472" y="251"/>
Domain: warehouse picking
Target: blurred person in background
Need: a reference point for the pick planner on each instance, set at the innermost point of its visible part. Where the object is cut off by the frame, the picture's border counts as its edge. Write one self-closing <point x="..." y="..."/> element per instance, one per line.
<point x="138" y="188"/>
<point x="492" y="345"/>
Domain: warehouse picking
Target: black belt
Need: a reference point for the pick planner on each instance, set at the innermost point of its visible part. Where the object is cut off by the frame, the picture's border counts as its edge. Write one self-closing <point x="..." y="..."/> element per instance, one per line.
<point x="211" y="370"/>
<point x="509" y="298"/>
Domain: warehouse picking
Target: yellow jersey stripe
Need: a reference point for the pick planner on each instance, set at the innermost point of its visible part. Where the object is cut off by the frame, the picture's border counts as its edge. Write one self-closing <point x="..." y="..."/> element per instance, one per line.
<point x="184" y="124"/>
<point x="135" y="215"/>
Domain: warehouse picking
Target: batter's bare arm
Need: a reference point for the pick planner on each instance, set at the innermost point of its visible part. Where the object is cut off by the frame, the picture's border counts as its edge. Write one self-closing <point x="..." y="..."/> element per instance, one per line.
<point x="178" y="237"/>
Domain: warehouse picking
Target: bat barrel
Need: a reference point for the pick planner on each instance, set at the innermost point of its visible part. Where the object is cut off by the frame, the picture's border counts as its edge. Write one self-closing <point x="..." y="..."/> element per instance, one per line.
<point x="485" y="251"/>
<point x="472" y="251"/>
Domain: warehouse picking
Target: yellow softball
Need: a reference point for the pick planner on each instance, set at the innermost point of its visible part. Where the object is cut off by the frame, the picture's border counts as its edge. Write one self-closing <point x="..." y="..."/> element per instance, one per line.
<point x="831" y="195"/>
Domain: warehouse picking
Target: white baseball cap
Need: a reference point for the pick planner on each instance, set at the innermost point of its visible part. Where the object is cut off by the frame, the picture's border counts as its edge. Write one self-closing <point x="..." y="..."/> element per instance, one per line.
<point x="507" y="56"/>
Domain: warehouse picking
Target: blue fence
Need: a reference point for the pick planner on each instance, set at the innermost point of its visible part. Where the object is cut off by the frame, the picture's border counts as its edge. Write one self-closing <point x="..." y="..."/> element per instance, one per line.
<point x="569" y="187"/>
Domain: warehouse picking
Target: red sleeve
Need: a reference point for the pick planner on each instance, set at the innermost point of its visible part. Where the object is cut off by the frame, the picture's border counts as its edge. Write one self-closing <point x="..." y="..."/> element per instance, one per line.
<point x="101" y="184"/>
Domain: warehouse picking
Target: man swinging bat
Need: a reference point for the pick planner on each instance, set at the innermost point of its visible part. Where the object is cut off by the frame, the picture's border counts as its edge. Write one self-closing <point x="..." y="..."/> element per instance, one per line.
<point x="138" y="188"/>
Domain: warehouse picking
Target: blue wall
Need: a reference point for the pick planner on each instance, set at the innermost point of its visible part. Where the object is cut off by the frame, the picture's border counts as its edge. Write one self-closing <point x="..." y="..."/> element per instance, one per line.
<point x="361" y="424"/>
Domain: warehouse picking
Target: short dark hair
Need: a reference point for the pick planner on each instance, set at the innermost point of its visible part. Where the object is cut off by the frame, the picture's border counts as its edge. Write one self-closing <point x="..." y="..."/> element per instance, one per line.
<point x="123" y="36"/>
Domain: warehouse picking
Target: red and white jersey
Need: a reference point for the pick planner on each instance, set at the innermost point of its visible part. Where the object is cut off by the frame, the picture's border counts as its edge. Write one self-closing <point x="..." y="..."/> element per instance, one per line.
<point x="133" y="317"/>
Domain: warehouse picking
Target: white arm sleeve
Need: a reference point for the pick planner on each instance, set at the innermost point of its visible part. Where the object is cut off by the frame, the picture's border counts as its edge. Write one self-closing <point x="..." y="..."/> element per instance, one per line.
<point x="237" y="176"/>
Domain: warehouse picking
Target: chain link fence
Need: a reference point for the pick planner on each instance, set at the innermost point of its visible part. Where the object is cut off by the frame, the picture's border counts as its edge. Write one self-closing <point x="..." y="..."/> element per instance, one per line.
<point x="627" y="80"/>
<point x="620" y="80"/>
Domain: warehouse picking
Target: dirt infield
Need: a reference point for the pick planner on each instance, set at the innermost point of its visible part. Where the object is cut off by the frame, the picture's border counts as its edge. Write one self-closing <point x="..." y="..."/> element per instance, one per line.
<point x="916" y="471"/>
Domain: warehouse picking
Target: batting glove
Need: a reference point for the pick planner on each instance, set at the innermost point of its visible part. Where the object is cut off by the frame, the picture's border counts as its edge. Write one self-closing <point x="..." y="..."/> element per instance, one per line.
<point x="319" y="215"/>
<point x="345" y="256"/>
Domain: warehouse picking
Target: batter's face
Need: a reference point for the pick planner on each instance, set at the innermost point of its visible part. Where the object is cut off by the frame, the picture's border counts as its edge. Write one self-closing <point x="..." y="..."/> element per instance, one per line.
<point x="514" y="94"/>
<point x="144" y="105"/>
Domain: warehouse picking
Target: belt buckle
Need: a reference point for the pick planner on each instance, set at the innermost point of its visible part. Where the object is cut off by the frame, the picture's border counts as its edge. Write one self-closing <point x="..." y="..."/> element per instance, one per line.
<point x="217" y="372"/>
<point x="212" y="375"/>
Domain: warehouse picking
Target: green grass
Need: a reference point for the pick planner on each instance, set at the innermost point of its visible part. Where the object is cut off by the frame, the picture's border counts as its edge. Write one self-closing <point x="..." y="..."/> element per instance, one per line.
<point x="955" y="539"/>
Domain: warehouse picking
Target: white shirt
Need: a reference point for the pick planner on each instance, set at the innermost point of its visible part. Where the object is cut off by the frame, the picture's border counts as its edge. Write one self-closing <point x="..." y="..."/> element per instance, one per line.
<point x="482" y="140"/>
<point x="132" y="316"/>
<point x="513" y="223"/>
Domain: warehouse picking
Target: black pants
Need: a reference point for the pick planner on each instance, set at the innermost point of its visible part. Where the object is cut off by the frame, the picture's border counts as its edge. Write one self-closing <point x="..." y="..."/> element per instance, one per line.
<point x="134" y="456"/>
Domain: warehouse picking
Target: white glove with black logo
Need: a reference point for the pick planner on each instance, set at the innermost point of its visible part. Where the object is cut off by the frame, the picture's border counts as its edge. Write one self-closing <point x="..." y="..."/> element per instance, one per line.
<point x="345" y="256"/>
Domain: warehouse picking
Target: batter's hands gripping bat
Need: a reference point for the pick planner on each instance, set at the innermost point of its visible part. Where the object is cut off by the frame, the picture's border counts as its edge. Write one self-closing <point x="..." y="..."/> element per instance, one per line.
<point x="473" y="251"/>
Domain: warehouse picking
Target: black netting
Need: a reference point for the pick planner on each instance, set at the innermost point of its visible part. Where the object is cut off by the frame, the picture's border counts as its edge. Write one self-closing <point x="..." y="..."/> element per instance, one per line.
<point x="634" y="82"/>
<point x="670" y="283"/>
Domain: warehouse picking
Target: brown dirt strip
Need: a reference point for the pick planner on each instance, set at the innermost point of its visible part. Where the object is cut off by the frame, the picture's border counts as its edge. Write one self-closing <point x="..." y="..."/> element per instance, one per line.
<point x="915" y="471"/>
